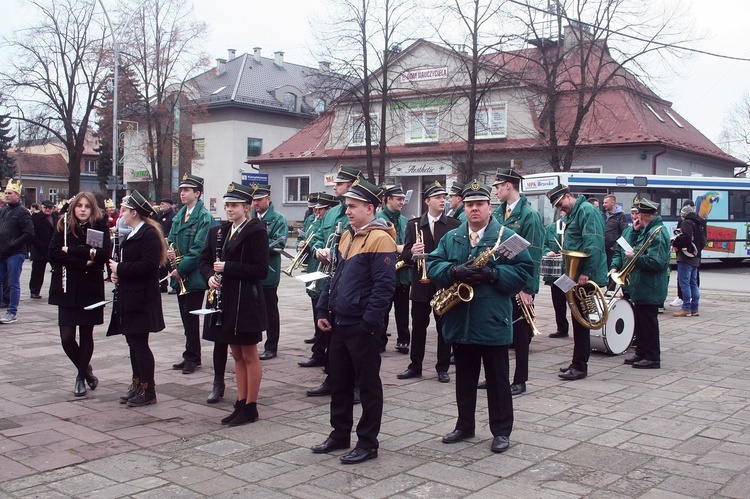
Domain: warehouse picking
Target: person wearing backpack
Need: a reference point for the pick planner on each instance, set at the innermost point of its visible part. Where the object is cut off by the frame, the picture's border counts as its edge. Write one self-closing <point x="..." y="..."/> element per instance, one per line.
<point x="688" y="245"/>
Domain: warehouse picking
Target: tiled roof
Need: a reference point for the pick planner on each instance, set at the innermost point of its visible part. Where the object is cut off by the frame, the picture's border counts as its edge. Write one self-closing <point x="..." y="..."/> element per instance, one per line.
<point x="41" y="164"/>
<point x="247" y="82"/>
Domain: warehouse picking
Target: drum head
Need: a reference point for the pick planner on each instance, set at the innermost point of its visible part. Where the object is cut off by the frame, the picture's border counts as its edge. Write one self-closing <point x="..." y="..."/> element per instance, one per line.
<point x="617" y="333"/>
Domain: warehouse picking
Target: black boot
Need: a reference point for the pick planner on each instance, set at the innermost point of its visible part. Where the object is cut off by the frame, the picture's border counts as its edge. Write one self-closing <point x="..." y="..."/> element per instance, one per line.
<point x="248" y="414"/>
<point x="131" y="391"/>
<point x="237" y="408"/>
<point x="216" y="393"/>
<point x="146" y="395"/>
<point x="80" y="388"/>
<point x="92" y="380"/>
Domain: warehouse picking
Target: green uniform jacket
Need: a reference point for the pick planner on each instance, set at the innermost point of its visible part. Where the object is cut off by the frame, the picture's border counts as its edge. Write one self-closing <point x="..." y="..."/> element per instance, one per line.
<point x="584" y="231"/>
<point x="312" y="263"/>
<point x="649" y="280"/>
<point x="189" y="238"/>
<point x="459" y="213"/>
<point x="487" y="318"/>
<point x="618" y="260"/>
<point x="275" y="228"/>
<point x="551" y="243"/>
<point x="328" y="225"/>
<point x="527" y="223"/>
<point x="403" y="276"/>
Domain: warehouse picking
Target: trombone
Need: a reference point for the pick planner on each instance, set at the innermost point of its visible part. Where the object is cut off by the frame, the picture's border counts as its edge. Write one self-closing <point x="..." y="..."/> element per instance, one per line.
<point x="300" y="256"/>
<point x="175" y="262"/>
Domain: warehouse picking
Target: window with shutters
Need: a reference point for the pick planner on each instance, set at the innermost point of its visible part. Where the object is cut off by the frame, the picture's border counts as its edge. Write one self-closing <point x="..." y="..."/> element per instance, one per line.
<point x="422" y="126"/>
<point x="492" y="122"/>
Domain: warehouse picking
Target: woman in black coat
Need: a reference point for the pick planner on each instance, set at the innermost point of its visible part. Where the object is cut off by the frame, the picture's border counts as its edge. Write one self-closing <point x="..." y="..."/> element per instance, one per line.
<point x="242" y="264"/>
<point x="77" y="281"/>
<point x="137" y="311"/>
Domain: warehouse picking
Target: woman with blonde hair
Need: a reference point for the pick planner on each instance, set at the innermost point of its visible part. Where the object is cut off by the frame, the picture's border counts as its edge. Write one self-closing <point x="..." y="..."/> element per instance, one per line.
<point x="77" y="281"/>
<point x="137" y="310"/>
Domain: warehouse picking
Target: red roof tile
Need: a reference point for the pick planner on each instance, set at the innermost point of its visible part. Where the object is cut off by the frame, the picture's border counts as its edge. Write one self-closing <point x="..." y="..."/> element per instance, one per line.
<point x="41" y="164"/>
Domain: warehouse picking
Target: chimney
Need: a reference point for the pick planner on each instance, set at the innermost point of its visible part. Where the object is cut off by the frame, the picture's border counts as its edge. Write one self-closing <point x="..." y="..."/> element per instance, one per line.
<point x="256" y="54"/>
<point x="221" y="66"/>
<point x="231" y="55"/>
<point x="324" y="66"/>
<point x="278" y="58"/>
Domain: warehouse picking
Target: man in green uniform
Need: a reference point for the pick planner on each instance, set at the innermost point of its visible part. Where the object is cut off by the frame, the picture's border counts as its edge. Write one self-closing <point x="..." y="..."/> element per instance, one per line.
<point x="277" y="230"/>
<point x="480" y="329"/>
<point x="188" y="236"/>
<point x="559" y="304"/>
<point x="393" y="199"/>
<point x="455" y="202"/>
<point x="584" y="232"/>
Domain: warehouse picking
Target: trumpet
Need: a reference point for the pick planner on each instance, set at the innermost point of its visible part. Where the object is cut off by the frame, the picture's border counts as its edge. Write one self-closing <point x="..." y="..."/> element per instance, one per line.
<point x="400" y="263"/>
<point x="421" y="263"/>
<point x="177" y="259"/>
<point x="332" y="244"/>
<point x="529" y="314"/>
<point x="300" y="256"/>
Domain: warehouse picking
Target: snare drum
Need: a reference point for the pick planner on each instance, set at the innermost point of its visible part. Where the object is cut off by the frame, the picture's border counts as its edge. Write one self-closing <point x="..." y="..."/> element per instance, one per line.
<point x="617" y="334"/>
<point x="552" y="266"/>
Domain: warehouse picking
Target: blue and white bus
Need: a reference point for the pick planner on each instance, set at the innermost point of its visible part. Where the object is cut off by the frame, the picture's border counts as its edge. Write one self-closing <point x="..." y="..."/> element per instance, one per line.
<point x="723" y="202"/>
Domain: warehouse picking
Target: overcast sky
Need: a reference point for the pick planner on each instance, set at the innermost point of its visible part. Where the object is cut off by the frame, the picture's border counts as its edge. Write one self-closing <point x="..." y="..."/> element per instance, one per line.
<point x="703" y="91"/>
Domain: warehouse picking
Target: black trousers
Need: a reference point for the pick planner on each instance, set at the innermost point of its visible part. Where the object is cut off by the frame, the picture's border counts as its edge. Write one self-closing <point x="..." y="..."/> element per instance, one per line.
<point x="499" y="400"/>
<point x="647" y="325"/>
<point x="36" y="281"/>
<point x="272" y="316"/>
<point x="355" y="355"/>
<point x="320" y="346"/>
<point x="521" y="338"/>
<point x="561" y="309"/>
<point x="400" y="304"/>
<point x="581" y="345"/>
<point x="420" y="320"/>
<point x="191" y="323"/>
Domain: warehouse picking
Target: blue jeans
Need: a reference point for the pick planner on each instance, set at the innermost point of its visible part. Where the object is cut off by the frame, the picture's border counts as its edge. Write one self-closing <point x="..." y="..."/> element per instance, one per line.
<point x="687" y="277"/>
<point x="12" y="266"/>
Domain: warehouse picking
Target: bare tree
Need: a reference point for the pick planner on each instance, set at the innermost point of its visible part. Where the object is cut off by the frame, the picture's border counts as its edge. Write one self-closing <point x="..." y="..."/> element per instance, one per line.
<point x="584" y="48"/>
<point x="736" y="132"/>
<point x="55" y="74"/>
<point x="164" y="50"/>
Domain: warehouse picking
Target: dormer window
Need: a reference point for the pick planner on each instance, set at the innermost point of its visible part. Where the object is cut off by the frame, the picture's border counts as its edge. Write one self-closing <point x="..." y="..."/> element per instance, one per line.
<point x="290" y="101"/>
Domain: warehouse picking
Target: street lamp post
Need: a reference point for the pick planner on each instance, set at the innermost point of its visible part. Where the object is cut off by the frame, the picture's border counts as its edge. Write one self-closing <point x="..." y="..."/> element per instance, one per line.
<point x="116" y="39"/>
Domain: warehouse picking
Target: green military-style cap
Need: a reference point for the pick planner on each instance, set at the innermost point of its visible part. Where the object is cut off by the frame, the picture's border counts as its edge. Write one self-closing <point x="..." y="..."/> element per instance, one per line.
<point x="136" y="201"/>
<point x="193" y="181"/>
<point x="474" y="191"/>
<point x="238" y="193"/>
<point x="556" y="193"/>
<point x="261" y="191"/>
<point x="647" y="207"/>
<point x="456" y="188"/>
<point x="507" y="175"/>
<point x="364" y="191"/>
<point x="433" y="189"/>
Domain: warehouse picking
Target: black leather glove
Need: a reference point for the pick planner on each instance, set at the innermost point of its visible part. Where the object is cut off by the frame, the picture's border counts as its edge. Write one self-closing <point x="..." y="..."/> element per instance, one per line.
<point x="461" y="272"/>
<point x="486" y="274"/>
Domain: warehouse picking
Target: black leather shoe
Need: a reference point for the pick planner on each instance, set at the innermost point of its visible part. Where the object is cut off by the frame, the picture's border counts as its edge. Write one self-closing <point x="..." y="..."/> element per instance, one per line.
<point x="216" y="393"/>
<point x="457" y="436"/>
<point x="248" y="414"/>
<point x="558" y="334"/>
<point x="572" y="374"/>
<point x="267" y="354"/>
<point x="647" y="364"/>
<point x="517" y="389"/>
<point x="632" y="360"/>
<point x="36" y="296"/>
<point x="359" y="455"/>
<point x="238" y="405"/>
<point x="189" y="367"/>
<point x="92" y="380"/>
<point x="500" y="444"/>
<point x="563" y="369"/>
<point x="320" y="391"/>
<point x="444" y="377"/>
<point x="80" y="387"/>
<point x="409" y="373"/>
<point x="402" y="347"/>
<point x="311" y="362"/>
<point x="328" y="445"/>
<point x="309" y="341"/>
<point x="482" y="385"/>
<point x="178" y="366"/>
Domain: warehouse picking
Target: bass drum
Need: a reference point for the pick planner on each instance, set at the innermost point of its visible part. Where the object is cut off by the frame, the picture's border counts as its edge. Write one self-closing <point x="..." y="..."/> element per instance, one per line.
<point x="617" y="334"/>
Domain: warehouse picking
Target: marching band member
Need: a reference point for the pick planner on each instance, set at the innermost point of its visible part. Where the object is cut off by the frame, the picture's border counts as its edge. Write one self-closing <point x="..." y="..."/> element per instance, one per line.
<point x="312" y="217"/>
<point x="83" y="283"/>
<point x="630" y="234"/>
<point x="584" y="231"/>
<point x="243" y="265"/>
<point x="188" y="235"/>
<point x="559" y="303"/>
<point x="432" y="226"/>
<point x="456" y="204"/>
<point x="480" y="329"/>
<point x="516" y="213"/>
<point x="353" y="305"/>
<point x="137" y="311"/>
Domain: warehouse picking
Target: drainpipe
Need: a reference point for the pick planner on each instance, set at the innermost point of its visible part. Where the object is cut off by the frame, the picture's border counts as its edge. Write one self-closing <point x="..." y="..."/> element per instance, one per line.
<point x="653" y="160"/>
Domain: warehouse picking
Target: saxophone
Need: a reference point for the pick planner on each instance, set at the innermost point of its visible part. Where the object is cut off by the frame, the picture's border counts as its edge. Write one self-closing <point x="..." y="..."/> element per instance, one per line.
<point x="447" y="298"/>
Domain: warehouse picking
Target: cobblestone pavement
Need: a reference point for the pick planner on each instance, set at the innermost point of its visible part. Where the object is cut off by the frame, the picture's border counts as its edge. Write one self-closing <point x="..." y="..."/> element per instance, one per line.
<point x="681" y="431"/>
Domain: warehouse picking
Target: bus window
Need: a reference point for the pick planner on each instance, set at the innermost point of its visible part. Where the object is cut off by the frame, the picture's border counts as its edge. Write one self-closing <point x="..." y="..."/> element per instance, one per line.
<point x="739" y="206"/>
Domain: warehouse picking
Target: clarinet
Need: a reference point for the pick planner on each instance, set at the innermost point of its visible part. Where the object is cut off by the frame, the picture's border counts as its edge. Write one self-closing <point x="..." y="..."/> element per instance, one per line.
<point x="116" y="258"/>
<point x="218" y="276"/>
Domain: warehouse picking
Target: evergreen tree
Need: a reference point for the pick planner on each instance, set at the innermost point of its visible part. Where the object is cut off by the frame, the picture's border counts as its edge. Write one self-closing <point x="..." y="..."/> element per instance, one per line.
<point x="7" y="164"/>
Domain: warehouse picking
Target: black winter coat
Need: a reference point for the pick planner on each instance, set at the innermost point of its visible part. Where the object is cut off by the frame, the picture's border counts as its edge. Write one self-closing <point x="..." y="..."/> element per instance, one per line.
<point x="84" y="283"/>
<point x="16" y="230"/>
<point x="44" y="231"/>
<point x="246" y="265"/>
<point x="138" y="308"/>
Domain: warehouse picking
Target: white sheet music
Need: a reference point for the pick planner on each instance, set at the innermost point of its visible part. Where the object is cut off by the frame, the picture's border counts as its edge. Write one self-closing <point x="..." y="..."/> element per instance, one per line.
<point x="311" y="277"/>
<point x="512" y="246"/>
<point x="624" y="244"/>
<point x="565" y="283"/>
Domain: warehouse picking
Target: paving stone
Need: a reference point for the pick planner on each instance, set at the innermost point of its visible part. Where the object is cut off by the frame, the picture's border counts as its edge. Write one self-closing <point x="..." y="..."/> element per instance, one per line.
<point x="451" y="475"/>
